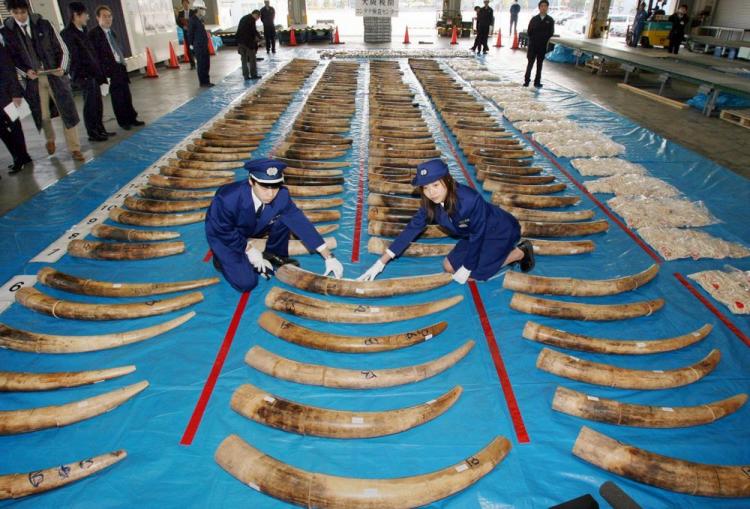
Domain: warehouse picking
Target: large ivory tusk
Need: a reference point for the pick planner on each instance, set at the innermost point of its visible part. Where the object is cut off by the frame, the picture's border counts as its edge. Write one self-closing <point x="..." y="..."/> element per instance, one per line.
<point x="326" y="376"/>
<point x="533" y="201"/>
<point x="580" y="311"/>
<point x="385" y="229"/>
<point x="310" y="338"/>
<point x="337" y="312"/>
<point x="56" y="279"/>
<point x="104" y="231"/>
<point x="563" y="229"/>
<point x="305" y="191"/>
<point x="15" y="381"/>
<point x="378" y="245"/>
<point x="311" y="282"/>
<point x="127" y="251"/>
<point x="545" y="216"/>
<point x="607" y="375"/>
<point x="301" y="163"/>
<point x="159" y="193"/>
<point x="34" y="419"/>
<point x="39" y="481"/>
<point x="187" y="183"/>
<point x="318" y="203"/>
<point x="209" y="157"/>
<point x="59" y="308"/>
<point x="521" y="282"/>
<point x="661" y="471"/>
<point x="24" y="341"/>
<point x="271" y="410"/>
<point x="147" y="219"/>
<point x="562" y="339"/>
<point x="164" y="206"/>
<point x="506" y="188"/>
<point x="562" y="247"/>
<point x="295" y="248"/>
<point x="310" y="489"/>
<point x="612" y="411"/>
<point x="322" y="216"/>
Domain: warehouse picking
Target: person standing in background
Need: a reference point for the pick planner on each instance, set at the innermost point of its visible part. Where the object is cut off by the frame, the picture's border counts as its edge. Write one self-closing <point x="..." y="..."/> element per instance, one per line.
<point x="638" y="23"/>
<point x="248" y="39"/>
<point x="183" y="18"/>
<point x="10" y="91"/>
<point x="111" y="59"/>
<point x="267" y="16"/>
<point x="485" y="19"/>
<point x="515" y="8"/>
<point x="42" y="60"/>
<point x="541" y="29"/>
<point x="680" y="23"/>
<point x="85" y="71"/>
<point x="198" y="41"/>
<point x="477" y="40"/>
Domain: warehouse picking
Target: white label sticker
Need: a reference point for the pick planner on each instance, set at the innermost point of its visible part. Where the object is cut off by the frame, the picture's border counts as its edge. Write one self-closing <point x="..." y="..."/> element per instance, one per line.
<point x="358" y="420"/>
<point x="592" y="398"/>
<point x="370" y="492"/>
<point x="640" y="344"/>
<point x="374" y="310"/>
<point x="254" y="486"/>
<point x="359" y="291"/>
<point x="270" y="399"/>
<point x="658" y="371"/>
<point x="667" y="409"/>
<point x="431" y="402"/>
<point x="461" y="467"/>
<point x="428" y="337"/>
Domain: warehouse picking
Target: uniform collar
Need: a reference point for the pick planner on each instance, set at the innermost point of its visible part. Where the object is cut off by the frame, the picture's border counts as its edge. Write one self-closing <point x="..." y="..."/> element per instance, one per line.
<point x="256" y="201"/>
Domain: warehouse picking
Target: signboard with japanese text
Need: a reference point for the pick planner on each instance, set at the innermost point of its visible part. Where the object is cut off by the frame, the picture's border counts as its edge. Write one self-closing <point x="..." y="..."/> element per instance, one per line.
<point x="376" y="8"/>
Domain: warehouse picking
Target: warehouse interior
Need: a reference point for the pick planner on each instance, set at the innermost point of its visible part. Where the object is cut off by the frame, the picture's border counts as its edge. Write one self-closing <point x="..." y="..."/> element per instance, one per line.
<point x="614" y="374"/>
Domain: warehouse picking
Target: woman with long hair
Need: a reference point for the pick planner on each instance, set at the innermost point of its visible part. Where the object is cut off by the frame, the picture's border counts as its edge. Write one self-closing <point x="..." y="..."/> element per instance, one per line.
<point x="488" y="236"/>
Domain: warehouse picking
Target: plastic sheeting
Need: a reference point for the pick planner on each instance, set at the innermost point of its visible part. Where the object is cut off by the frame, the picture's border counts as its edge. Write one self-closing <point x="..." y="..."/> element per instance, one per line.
<point x="161" y="473"/>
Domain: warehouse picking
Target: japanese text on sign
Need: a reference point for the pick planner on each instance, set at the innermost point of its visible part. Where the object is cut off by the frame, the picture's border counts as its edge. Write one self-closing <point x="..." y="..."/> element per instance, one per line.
<point x="376" y="8"/>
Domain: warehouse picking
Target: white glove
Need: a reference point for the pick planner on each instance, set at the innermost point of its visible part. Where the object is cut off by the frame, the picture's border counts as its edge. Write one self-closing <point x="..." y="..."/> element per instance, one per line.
<point x="373" y="271"/>
<point x="255" y="257"/>
<point x="334" y="266"/>
<point x="461" y="275"/>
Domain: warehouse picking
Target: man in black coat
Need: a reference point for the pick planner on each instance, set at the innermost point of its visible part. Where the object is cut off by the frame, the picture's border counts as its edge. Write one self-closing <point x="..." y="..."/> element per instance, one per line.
<point x="111" y="60"/>
<point x="485" y="19"/>
<point x="267" y="17"/>
<point x="247" y="42"/>
<point x="42" y="60"/>
<point x="541" y="29"/>
<point x="183" y="18"/>
<point x="11" y="91"/>
<point x="198" y="41"/>
<point x="85" y="71"/>
<point x="680" y="22"/>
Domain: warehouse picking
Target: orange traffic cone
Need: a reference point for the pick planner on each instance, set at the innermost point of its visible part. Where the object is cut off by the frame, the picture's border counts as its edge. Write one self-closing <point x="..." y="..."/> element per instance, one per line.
<point x="211" y="49"/>
<point x="173" y="62"/>
<point x="150" y="67"/>
<point x="406" y="36"/>
<point x="185" y="51"/>
<point x="292" y="38"/>
<point x="454" y="37"/>
<point x="515" y="40"/>
<point x="499" y="43"/>
<point x="336" y="39"/>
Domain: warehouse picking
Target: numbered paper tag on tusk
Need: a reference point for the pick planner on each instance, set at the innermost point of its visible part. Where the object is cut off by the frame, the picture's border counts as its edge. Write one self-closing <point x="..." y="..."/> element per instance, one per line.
<point x="9" y="289"/>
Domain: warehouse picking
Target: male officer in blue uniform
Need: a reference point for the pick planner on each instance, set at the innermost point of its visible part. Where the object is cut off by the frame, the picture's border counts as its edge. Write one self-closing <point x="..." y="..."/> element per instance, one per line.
<point x="252" y="208"/>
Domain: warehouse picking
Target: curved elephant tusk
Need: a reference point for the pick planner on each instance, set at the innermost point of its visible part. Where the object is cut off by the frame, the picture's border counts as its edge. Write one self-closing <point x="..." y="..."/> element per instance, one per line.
<point x="385" y="229"/>
<point x="162" y="206"/>
<point x="31" y="483"/>
<point x="318" y="203"/>
<point x="612" y="411"/>
<point x="59" y="308"/>
<point x="545" y="216"/>
<point x="127" y="251"/>
<point x="15" y="381"/>
<point x="130" y="217"/>
<point x="661" y="471"/>
<point x="311" y="282"/>
<point x="533" y="201"/>
<point x="173" y="171"/>
<point x="562" y="247"/>
<point x="24" y="341"/>
<point x="271" y="410"/>
<point x="326" y="376"/>
<point x="310" y="489"/>
<point x="580" y="311"/>
<point x="492" y="186"/>
<point x="192" y="164"/>
<point x="322" y="216"/>
<point x="581" y="342"/>
<point x="563" y="229"/>
<point x="384" y="200"/>
<point x="187" y="183"/>
<point x="310" y="338"/>
<point x="291" y="171"/>
<point x="301" y="163"/>
<point x="295" y="247"/>
<point x="607" y="375"/>
<point x="13" y="422"/>
<point x="304" y="191"/>
<point x="336" y="312"/>
<point x="160" y="193"/>
<point x="378" y="245"/>
<point x="209" y="157"/>
<point x="104" y="231"/>
<point x="73" y="284"/>
<point x="386" y="187"/>
<point x="521" y="282"/>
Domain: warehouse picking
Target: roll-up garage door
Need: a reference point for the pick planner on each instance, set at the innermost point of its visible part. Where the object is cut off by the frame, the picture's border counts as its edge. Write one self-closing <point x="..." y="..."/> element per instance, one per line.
<point x="732" y="14"/>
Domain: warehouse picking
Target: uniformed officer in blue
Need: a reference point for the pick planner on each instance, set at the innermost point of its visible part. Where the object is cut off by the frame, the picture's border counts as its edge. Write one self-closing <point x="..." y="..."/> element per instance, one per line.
<point x="251" y="208"/>
<point x="488" y="236"/>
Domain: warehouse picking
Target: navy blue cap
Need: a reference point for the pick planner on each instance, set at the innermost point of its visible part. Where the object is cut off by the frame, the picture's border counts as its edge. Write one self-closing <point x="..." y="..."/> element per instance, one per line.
<point x="266" y="171"/>
<point x="429" y="171"/>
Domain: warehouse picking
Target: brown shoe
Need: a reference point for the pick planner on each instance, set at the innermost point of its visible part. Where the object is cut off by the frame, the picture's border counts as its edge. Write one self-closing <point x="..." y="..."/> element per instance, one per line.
<point x="78" y="156"/>
<point x="50" y="147"/>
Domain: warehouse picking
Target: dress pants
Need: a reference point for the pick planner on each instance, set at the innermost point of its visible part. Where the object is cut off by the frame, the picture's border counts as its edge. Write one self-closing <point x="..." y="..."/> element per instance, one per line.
<point x="122" y="100"/>
<point x="93" y="108"/>
<point x="538" y="56"/>
<point x="249" y="63"/>
<point x="513" y="24"/>
<point x="203" y="64"/>
<point x="270" y="36"/>
<point x="674" y="46"/>
<point x="71" y="134"/>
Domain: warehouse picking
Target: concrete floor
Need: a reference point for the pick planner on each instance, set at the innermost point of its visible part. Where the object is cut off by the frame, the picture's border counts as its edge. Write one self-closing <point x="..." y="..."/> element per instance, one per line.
<point x="725" y="143"/>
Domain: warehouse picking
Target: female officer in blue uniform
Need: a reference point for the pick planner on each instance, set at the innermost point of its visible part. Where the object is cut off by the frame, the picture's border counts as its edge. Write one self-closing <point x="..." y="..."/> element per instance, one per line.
<point x="251" y="208"/>
<point x="488" y="235"/>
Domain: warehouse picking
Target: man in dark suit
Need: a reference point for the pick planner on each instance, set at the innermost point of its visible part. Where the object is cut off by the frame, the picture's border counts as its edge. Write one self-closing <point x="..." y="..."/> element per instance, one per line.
<point x="11" y="91"/>
<point x="485" y="19"/>
<point x="111" y="59"/>
<point x="183" y="18"/>
<point x="267" y="17"/>
<point x="247" y="42"/>
<point x="85" y="71"/>
<point x="541" y="29"/>
<point x="198" y="41"/>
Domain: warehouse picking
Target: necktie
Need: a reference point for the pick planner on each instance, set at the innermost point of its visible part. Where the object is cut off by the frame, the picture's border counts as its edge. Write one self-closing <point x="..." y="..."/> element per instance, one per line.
<point x="260" y="210"/>
<point x="115" y="47"/>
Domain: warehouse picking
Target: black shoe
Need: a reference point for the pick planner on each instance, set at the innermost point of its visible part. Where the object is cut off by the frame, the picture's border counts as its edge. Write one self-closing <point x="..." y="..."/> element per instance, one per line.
<point x="125" y="127"/>
<point x="247" y="78"/>
<point x="97" y="137"/>
<point x="525" y="83"/>
<point x="16" y="167"/>
<point x="538" y="85"/>
<point x="192" y="67"/>
<point x="207" y="85"/>
<point x="137" y="123"/>
<point x="107" y="133"/>
<point x="527" y="262"/>
<point x="255" y="77"/>
<point x="277" y="261"/>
